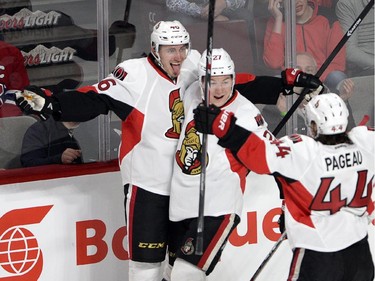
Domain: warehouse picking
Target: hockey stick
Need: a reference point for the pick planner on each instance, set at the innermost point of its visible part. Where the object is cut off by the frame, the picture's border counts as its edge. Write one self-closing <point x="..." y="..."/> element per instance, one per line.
<point x="325" y="64"/>
<point x="269" y="256"/>
<point x="202" y="180"/>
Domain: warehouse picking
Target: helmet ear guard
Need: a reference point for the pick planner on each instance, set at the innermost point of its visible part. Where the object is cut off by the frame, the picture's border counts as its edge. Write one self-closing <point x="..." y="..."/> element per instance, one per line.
<point x="329" y="112"/>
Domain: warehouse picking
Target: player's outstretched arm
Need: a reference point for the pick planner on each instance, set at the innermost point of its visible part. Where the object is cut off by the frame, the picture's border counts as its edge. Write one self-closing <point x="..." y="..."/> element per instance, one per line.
<point x="295" y="80"/>
<point x="35" y="100"/>
<point x="266" y="89"/>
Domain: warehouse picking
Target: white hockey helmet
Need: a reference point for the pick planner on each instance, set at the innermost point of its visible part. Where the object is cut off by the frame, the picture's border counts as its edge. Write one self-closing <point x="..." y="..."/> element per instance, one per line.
<point x="168" y="33"/>
<point x="221" y="64"/>
<point x="329" y="112"/>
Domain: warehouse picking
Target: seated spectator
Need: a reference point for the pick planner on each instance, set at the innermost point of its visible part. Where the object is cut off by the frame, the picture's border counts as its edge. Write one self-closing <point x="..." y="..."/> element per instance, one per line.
<point x="314" y="34"/>
<point x="191" y="12"/>
<point x="50" y="142"/>
<point x="224" y="9"/>
<point x="360" y="46"/>
<point x="13" y="76"/>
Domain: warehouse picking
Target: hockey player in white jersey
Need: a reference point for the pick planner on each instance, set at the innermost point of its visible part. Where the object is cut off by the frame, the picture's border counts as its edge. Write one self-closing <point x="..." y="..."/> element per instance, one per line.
<point x="146" y="94"/>
<point x="225" y="176"/>
<point x="327" y="180"/>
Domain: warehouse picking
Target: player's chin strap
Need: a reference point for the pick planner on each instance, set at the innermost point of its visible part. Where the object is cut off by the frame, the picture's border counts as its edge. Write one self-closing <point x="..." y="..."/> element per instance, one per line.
<point x="325" y="65"/>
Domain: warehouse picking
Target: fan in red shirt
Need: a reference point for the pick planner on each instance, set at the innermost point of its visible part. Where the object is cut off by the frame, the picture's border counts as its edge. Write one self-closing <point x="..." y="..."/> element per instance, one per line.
<point x="314" y="34"/>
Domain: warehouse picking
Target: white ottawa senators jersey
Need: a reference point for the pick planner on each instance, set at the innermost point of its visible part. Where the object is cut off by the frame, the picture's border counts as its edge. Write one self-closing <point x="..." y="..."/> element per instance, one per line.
<point x="327" y="188"/>
<point x="225" y="176"/>
<point x="150" y="132"/>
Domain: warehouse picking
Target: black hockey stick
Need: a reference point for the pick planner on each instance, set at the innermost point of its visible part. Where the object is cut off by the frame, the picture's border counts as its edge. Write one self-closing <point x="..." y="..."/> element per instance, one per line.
<point x="325" y="65"/>
<point x="202" y="183"/>
<point x="269" y="256"/>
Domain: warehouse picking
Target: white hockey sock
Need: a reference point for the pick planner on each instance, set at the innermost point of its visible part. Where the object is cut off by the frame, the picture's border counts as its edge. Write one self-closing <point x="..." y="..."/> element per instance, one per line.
<point x="184" y="271"/>
<point x="143" y="271"/>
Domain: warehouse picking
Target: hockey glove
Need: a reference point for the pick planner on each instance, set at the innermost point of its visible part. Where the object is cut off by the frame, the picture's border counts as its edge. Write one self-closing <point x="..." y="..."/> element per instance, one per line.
<point x="293" y="77"/>
<point x="35" y="100"/>
<point x="212" y="120"/>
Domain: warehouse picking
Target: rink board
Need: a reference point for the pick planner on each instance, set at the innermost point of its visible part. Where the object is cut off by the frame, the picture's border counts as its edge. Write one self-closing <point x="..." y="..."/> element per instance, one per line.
<point x="72" y="228"/>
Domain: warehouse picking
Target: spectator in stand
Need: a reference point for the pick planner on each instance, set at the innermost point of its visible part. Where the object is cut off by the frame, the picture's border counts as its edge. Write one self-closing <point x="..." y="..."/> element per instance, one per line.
<point x="13" y="76"/>
<point x="50" y="142"/>
<point x="224" y="9"/>
<point x="191" y="12"/>
<point x="360" y="46"/>
<point x="314" y="34"/>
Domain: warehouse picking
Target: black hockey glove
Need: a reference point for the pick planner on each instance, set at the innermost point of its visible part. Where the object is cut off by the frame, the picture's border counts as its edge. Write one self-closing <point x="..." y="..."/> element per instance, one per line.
<point x="293" y="77"/>
<point x="35" y="100"/>
<point x="212" y="120"/>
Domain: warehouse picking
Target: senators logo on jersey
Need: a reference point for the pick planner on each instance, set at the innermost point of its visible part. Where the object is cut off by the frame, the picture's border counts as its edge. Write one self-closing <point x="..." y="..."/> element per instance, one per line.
<point x="119" y="73"/>
<point x="176" y="108"/>
<point x="188" y="156"/>
<point x="188" y="248"/>
<point x="259" y="119"/>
